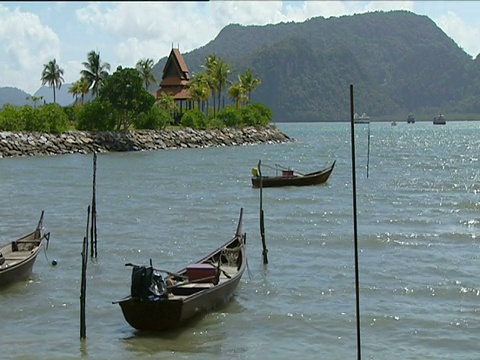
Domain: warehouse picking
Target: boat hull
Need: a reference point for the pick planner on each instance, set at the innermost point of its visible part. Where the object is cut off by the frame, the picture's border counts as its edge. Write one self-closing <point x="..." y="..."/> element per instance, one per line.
<point x="191" y="296"/>
<point x="168" y="314"/>
<point x="315" y="178"/>
<point x="19" y="256"/>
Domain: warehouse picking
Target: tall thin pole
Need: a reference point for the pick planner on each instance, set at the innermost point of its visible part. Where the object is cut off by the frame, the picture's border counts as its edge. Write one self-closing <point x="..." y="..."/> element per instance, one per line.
<point x="83" y="284"/>
<point x="262" y="222"/>
<point x="354" y="184"/>
<point x="93" y="229"/>
<point x="368" y="149"/>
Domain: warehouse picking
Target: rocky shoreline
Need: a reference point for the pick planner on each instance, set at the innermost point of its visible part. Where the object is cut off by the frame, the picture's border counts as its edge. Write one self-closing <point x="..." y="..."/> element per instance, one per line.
<point x="83" y="142"/>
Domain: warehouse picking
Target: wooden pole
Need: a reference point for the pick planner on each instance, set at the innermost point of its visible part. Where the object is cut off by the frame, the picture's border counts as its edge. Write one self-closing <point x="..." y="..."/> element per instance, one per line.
<point x="83" y="285"/>
<point x="368" y="149"/>
<point x="93" y="229"/>
<point x="354" y="184"/>
<point x="262" y="222"/>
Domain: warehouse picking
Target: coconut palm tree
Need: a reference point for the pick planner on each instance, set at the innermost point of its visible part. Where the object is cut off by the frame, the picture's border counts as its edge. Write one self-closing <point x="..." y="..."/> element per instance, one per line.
<point x="84" y="87"/>
<point x="199" y="89"/>
<point x="75" y="90"/>
<point x="145" y="68"/>
<point x="237" y="93"/>
<point x="95" y="72"/>
<point x="52" y="75"/>
<point x="210" y="64"/>
<point x="249" y="82"/>
<point x="221" y="72"/>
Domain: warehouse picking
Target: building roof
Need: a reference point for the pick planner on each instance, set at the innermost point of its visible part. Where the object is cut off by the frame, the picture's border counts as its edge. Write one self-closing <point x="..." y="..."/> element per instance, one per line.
<point x="175" y="77"/>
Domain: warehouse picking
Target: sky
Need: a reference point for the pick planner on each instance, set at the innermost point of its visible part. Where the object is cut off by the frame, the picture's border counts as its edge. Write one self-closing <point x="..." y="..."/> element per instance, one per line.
<point x="33" y="33"/>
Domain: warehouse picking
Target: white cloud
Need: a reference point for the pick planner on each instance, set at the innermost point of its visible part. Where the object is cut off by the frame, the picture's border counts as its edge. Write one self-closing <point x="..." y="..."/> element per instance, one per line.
<point x="27" y="44"/>
<point x="125" y="32"/>
<point x="467" y="36"/>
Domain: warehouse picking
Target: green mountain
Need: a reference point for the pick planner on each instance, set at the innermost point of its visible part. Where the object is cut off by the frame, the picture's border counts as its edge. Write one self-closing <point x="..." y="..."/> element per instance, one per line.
<point x="13" y="96"/>
<point x="398" y="62"/>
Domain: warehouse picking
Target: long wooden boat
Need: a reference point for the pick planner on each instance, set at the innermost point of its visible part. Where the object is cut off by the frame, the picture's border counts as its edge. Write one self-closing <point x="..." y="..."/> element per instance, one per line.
<point x="290" y="178"/>
<point x="18" y="257"/>
<point x="159" y="304"/>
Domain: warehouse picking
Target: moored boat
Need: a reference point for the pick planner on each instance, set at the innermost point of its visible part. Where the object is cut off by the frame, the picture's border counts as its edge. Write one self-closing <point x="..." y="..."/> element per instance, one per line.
<point x="410" y="119"/>
<point x="291" y="178"/>
<point x="439" y="120"/>
<point x="158" y="304"/>
<point x="18" y="257"/>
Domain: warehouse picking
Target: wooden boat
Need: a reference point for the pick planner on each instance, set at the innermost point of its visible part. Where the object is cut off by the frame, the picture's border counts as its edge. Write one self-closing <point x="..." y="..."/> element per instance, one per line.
<point x="159" y="304"/>
<point x="290" y="178"/>
<point x="18" y="257"/>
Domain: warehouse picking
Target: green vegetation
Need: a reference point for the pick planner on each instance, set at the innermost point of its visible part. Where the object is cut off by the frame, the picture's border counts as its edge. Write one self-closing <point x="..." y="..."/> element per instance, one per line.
<point x="398" y="62"/>
<point x="121" y="101"/>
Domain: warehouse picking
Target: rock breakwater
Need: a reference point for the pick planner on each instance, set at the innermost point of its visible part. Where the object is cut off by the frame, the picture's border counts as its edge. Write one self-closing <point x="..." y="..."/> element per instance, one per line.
<point x="35" y="144"/>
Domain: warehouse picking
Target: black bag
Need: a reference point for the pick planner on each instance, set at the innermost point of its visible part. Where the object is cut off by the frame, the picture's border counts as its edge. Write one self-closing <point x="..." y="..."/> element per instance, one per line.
<point x="147" y="284"/>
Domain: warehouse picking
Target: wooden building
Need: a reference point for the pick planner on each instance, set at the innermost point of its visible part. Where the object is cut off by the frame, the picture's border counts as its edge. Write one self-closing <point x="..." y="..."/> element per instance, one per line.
<point x="174" y="79"/>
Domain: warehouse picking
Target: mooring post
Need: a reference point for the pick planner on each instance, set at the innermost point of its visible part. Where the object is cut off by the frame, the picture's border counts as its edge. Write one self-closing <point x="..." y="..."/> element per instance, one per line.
<point x="93" y="230"/>
<point x="354" y="185"/>
<point x="83" y="284"/>
<point x="262" y="223"/>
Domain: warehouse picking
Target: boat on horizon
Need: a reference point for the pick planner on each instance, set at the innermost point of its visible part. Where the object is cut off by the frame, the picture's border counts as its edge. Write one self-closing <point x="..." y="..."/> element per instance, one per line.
<point x="361" y="119"/>
<point x="439" y="120"/>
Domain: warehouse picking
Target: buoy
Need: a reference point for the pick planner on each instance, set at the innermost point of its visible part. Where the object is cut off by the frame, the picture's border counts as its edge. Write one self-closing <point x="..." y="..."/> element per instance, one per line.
<point x="54" y="262"/>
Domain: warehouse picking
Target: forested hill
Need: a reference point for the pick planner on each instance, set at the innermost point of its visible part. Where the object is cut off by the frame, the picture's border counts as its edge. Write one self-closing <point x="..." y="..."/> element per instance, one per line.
<point x="398" y="62"/>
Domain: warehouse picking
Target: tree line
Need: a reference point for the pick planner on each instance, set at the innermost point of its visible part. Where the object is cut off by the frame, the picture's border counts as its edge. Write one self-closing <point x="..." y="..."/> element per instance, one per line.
<point x="121" y="100"/>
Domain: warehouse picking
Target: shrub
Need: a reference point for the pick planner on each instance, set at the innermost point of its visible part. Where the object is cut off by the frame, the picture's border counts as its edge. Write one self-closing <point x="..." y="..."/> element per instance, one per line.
<point x="195" y="119"/>
<point x="230" y="116"/>
<point x="96" y="115"/>
<point x="155" y="119"/>
<point x="11" y="118"/>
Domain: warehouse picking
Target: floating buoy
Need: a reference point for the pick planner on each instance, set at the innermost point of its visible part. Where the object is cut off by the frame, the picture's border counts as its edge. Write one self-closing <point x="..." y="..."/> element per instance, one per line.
<point x="54" y="262"/>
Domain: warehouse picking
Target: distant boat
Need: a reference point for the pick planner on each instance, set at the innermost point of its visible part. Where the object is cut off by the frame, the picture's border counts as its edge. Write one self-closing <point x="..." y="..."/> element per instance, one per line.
<point x="361" y="119"/>
<point x="439" y="120"/>
<point x="410" y="119"/>
<point x="394" y="123"/>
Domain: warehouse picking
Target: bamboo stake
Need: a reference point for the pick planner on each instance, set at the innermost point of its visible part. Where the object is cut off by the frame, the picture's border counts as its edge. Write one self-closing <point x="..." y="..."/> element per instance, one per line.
<point x="83" y="285"/>
<point x="93" y="229"/>
<point x="354" y="184"/>
<point x="262" y="223"/>
<point x="368" y="149"/>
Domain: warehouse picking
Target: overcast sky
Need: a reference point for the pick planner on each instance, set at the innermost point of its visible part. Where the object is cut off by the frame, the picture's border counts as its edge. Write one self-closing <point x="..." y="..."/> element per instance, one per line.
<point x="33" y="33"/>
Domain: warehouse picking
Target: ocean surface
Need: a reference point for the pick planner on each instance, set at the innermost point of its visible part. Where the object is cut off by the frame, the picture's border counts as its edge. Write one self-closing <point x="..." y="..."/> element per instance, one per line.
<point x="417" y="218"/>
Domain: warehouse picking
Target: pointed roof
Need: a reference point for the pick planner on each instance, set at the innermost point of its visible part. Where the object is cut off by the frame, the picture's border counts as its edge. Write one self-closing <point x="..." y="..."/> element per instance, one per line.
<point x="175" y="76"/>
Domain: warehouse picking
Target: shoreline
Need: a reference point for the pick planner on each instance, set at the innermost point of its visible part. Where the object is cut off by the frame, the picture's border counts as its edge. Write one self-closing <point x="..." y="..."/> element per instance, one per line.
<point x="20" y="144"/>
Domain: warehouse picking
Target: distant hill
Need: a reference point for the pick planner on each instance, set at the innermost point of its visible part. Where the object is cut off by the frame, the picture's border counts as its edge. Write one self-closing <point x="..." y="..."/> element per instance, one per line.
<point x="17" y="97"/>
<point x="398" y="62"/>
<point x="14" y="96"/>
<point x="62" y="96"/>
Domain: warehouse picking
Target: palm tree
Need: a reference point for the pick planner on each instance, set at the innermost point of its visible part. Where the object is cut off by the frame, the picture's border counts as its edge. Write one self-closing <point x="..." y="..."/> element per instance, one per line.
<point x="237" y="93"/>
<point x="35" y="100"/>
<point x="95" y="71"/>
<point x="249" y="82"/>
<point x="199" y="89"/>
<point x="84" y="87"/>
<point x="145" y="68"/>
<point x="52" y="75"/>
<point x="210" y="64"/>
<point x="75" y="90"/>
<point x="221" y="72"/>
